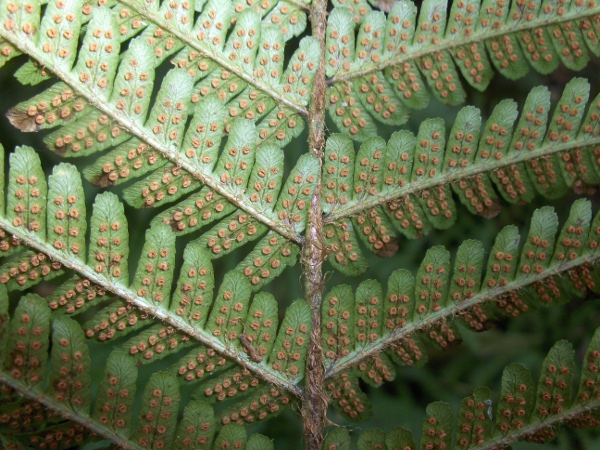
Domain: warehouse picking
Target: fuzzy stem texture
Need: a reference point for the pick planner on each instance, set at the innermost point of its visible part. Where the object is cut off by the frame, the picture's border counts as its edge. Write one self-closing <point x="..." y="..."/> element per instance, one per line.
<point x="314" y="405"/>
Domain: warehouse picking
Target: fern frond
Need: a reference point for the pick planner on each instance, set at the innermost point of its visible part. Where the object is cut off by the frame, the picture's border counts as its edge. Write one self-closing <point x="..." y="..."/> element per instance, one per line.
<point x="523" y="412"/>
<point x="169" y="28"/>
<point x="153" y="140"/>
<point x="406" y="185"/>
<point x="244" y="331"/>
<point x="379" y="73"/>
<point x="185" y="108"/>
<point x="68" y="393"/>
<point x="58" y="212"/>
<point x="548" y="269"/>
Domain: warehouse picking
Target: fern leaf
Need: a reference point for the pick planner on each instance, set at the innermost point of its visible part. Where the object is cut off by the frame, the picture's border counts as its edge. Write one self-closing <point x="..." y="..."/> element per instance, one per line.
<point x="228" y="385"/>
<point x="345" y="254"/>
<point x="338" y="323"/>
<point x="398" y="163"/>
<point x="127" y="161"/>
<point x="260" y="326"/>
<point x="437" y="68"/>
<point x="371" y="439"/>
<point x="262" y="405"/>
<point x="231" y="436"/>
<point x="7" y="52"/>
<point x="134" y="78"/>
<point x="230" y="308"/>
<point x="562" y="127"/>
<point x="127" y="105"/>
<point x="100" y="45"/>
<point x="286" y="16"/>
<point x="192" y="213"/>
<point x="376" y="369"/>
<point x="297" y="192"/>
<point x="239" y="71"/>
<point x="192" y="298"/>
<point x="66" y="211"/>
<point x="408" y="351"/>
<point x="58" y="104"/>
<point x="473" y="422"/>
<point x="438" y="419"/>
<point x="28" y="269"/>
<point x="554" y="386"/>
<point x="289" y="351"/>
<point x="109" y="238"/>
<point x="115" y="320"/>
<point x="69" y="389"/>
<point x="348" y="399"/>
<point x="478" y="194"/>
<point x="234" y="166"/>
<point x="516" y="399"/>
<point x="431" y="282"/>
<point x="470" y="59"/>
<point x="31" y="73"/>
<point x="197" y="427"/>
<point x="541" y="236"/>
<point x="231" y="233"/>
<point x="265" y="181"/>
<point x="155" y="343"/>
<point x="466" y="279"/>
<point x="375" y="93"/>
<point x="515" y="280"/>
<point x="521" y="413"/>
<point x="25" y="416"/>
<point x="259" y="442"/>
<point x="198" y="363"/>
<point x="60" y="436"/>
<point x="8" y="244"/>
<point x="158" y="416"/>
<point x="268" y="259"/>
<point x="348" y="113"/>
<point x="389" y="56"/>
<point x="70" y="362"/>
<point x="27" y="348"/>
<point x="375" y="231"/>
<point x="337" y="439"/>
<point x="367" y="317"/>
<point x="26" y="191"/>
<point x="338" y="172"/>
<point x="399" y="308"/>
<point x="512" y="182"/>
<point x="338" y="175"/>
<point x="414" y="200"/>
<point x="400" y="438"/>
<point x="588" y="386"/>
<point x="502" y="268"/>
<point x="186" y="108"/>
<point x="56" y="32"/>
<point x="155" y="270"/>
<point x="114" y="404"/>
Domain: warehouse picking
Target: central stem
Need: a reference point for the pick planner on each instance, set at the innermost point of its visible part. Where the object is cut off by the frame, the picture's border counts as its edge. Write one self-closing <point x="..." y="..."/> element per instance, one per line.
<point x="314" y="405"/>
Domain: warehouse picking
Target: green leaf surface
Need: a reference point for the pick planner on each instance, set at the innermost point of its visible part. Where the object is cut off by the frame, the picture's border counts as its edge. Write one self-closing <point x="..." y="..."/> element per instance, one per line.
<point x="157" y="420"/>
<point x="28" y="342"/>
<point x="70" y="376"/>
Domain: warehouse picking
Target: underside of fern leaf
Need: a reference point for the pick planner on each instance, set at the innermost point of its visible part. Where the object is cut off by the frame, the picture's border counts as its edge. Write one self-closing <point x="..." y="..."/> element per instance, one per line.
<point x="191" y="111"/>
<point x="522" y="412"/>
